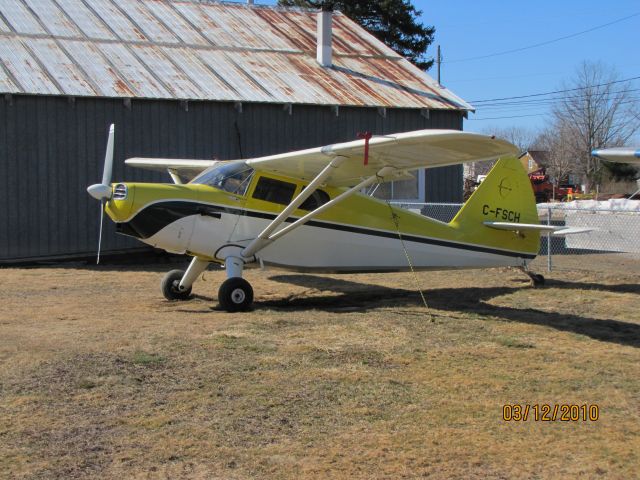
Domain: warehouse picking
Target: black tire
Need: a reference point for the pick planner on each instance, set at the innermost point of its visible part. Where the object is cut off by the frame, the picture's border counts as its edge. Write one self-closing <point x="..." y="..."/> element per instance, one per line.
<point x="235" y="295"/>
<point x="170" y="284"/>
<point x="537" y="280"/>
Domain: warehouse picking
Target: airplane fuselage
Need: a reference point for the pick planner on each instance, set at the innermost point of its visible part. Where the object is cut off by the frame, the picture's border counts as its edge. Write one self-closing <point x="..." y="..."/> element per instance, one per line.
<point x="359" y="234"/>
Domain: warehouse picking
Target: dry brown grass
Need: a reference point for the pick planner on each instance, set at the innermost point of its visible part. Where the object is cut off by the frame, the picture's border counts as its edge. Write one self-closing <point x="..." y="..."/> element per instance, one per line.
<point x="330" y="376"/>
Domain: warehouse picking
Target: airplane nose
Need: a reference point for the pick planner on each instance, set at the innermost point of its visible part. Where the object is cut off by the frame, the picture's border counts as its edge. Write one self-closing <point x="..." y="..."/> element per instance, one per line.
<point x="121" y="203"/>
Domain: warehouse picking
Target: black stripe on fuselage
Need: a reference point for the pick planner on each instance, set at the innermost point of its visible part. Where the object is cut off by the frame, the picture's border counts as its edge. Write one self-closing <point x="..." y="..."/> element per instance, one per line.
<point x="150" y="220"/>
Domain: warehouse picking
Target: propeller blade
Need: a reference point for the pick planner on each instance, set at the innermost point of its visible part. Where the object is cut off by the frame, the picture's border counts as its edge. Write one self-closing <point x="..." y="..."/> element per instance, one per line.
<point x="102" y="191"/>
<point x="100" y="234"/>
<point x="108" y="158"/>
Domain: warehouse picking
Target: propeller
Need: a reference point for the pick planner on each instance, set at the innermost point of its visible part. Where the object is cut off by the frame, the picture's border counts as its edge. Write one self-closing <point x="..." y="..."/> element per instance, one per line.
<point x="102" y="191"/>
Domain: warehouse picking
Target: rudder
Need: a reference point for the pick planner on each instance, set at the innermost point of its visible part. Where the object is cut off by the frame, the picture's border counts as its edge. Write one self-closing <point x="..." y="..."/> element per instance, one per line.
<point x="505" y="195"/>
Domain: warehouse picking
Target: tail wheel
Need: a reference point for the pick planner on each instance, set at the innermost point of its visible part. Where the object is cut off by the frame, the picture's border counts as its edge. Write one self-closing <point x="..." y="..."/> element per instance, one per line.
<point x="170" y="284"/>
<point x="235" y="295"/>
<point x="537" y="280"/>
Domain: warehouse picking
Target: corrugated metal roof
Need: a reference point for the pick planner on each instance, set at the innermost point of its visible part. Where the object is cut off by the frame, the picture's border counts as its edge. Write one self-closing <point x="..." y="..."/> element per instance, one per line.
<point x="191" y="50"/>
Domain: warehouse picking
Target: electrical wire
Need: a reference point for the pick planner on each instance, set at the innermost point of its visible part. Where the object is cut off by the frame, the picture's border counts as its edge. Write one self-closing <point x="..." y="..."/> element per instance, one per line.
<point x="513" y="116"/>
<point x="548" y="42"/>
<point x="555" y="91"/>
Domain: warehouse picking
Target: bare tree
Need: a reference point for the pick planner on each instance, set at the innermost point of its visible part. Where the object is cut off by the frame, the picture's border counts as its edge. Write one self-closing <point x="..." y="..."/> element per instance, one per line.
<point x="560" y="162"/>
<point x="597" y="112"/>
<point x="521" y="137"/>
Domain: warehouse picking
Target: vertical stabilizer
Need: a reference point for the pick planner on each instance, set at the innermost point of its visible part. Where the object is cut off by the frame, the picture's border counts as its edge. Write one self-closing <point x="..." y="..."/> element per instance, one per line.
<point x="505" y="195"/>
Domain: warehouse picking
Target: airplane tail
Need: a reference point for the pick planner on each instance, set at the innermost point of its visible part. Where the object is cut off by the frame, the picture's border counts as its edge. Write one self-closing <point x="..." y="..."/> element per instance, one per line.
<point x="505" y="195"/>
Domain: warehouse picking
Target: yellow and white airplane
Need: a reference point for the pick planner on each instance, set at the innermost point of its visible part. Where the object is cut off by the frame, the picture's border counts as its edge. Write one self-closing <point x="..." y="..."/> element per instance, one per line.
<point x="305" y="211"/>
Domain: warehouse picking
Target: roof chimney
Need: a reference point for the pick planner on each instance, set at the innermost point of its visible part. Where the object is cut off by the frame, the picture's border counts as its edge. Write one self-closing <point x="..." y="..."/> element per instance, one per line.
<point x="324" y="37"/>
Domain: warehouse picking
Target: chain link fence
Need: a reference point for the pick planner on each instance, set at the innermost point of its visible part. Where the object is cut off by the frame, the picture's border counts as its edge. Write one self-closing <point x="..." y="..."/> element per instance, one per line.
<point x="443" y="212"/>
<point x="613" y="231"/>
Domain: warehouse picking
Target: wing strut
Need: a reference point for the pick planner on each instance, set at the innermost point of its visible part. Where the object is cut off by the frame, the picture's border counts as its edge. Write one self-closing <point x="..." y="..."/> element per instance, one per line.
<point x="266" y="237"/>
<point x="173" y="173"/>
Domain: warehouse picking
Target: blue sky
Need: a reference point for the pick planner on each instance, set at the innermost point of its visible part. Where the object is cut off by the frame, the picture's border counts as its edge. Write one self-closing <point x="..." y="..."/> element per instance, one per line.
<point x="469" y="28"/>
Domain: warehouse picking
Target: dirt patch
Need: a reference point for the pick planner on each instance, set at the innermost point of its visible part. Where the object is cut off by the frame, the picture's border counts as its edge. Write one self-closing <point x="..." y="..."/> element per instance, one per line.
<point x="329" y="375"/>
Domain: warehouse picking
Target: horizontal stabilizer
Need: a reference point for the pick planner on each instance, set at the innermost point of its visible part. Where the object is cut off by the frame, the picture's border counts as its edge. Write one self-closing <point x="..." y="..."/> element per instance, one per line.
<point x="524" y="227"/>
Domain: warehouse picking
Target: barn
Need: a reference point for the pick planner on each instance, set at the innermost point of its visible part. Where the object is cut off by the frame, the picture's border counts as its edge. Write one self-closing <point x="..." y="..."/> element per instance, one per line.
<point x="184" y="79"/>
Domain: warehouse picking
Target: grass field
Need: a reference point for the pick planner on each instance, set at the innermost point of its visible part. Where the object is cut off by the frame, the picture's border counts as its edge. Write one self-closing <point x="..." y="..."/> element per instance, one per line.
<point x="330" y="376"/>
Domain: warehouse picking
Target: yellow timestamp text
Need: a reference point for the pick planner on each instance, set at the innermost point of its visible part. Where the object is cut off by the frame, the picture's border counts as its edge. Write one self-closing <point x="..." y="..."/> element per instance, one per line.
<point x="545" y="412"/>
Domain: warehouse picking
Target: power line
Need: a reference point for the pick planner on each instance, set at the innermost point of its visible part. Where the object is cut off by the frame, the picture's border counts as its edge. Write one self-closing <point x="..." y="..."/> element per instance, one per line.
<point x="553" y="100"/>
<point x="555" y="91"/>
<point x="535" y="45"/>
<point x="632" y="100"/>
<point x="513" y="116"/>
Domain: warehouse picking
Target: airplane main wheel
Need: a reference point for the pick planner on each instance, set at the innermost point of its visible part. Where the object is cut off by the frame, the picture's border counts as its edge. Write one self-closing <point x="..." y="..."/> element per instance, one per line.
<point x="235" y="295"/>
<point x="170" y="284"/>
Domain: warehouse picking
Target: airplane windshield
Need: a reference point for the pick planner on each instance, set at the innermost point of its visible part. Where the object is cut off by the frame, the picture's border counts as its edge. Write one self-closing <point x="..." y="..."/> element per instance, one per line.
<point x="233" y="177"/>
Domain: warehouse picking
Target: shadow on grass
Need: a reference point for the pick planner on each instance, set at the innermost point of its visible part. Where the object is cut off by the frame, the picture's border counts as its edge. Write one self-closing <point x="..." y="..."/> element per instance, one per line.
<point x="363" y="297"/>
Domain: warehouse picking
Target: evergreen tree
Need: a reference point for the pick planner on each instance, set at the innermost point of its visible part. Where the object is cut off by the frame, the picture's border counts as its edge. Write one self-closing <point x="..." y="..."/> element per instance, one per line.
<point x="394" y="22"/>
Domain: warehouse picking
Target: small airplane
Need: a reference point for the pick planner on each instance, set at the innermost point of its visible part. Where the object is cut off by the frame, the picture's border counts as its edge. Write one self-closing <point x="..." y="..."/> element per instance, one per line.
<point x="305" y="211"/>
<point x="618" y="154"/>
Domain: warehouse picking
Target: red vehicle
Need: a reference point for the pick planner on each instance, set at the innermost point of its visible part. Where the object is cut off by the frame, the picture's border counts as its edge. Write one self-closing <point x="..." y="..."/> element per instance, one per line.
<point x="543" y="188"/>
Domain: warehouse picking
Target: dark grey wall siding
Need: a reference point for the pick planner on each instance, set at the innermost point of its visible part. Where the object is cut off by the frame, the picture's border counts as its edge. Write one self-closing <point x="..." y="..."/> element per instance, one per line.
<point x="52" y="148"/>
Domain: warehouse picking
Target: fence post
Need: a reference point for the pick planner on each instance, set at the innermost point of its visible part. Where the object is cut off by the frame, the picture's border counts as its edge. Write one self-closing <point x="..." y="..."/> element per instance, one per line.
<point x="549" y="266"/>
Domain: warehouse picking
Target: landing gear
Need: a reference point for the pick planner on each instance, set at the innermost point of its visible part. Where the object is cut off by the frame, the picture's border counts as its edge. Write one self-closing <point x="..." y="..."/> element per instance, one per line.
<point x="537" y="280"/>
<point x="235" y="295"/>
<point x="170" y="286"/>
<point x="176" y="285"/>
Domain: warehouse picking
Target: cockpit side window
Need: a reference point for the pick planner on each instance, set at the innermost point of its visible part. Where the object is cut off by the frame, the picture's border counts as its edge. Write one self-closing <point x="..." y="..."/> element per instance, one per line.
<point x="233" y="177"/>
<point x="275" y="191"/>
<point x="315" y="200"/>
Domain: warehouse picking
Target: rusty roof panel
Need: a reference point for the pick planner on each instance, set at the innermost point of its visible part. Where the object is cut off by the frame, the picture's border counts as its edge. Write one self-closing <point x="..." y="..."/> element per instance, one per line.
<point x="210" y="29"/>
<point x="63" y="71"/>
<point x="52" y="18"/>
<point x="208" y="82"/>
<point x="133" y="72"/>
<point x="144" y="20"/>
<point x="18" y="15"/>
<point x="116" y="20"/>
<point x="201" y="50"/>
<point x="25" y="69"/>
<point x="4" y="27"/>
<point x="6" y="85"/>
<point x="252" y="30"/>
<point x="235" y="75"/>
<point x="86" y="20"/>
<point x="170" y="17"/>
<point x="165" y="71"/>
<point x="99" y="71"/>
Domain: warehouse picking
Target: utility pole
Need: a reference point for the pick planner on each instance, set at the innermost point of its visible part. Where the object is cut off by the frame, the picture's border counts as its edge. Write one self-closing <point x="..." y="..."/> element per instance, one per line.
<point x="439" y="62"/>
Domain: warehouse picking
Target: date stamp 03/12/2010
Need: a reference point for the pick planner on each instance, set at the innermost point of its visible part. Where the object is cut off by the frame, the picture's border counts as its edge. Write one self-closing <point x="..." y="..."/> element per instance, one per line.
<point x="544" y="412"/>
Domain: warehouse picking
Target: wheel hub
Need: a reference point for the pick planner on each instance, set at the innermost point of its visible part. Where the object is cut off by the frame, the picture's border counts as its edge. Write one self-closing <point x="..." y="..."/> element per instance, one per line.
<point x="238" y="296"/>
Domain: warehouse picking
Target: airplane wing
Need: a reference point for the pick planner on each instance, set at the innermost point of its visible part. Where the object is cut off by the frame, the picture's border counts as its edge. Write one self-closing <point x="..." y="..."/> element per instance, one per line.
<point x="619" y="155"/>
<point x="184" y="168"/>
<point x="523" y="227"/>
<point x="402" y="151"/>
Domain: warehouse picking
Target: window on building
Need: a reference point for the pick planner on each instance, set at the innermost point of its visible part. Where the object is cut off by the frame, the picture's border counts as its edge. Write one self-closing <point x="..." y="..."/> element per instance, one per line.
<point x="275" y="191"/>
<point x="317" y="198"/>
